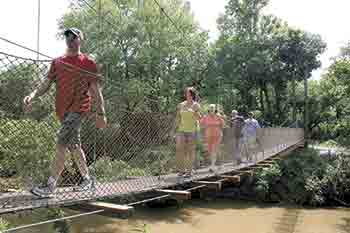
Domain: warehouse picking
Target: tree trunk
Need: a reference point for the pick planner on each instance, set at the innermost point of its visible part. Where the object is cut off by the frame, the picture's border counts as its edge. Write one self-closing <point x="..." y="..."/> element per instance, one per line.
<point x="268" y="102"/>
<point x="306" y="112"/>
<point x="262" y="104"/>
<point x="278" y="101"/>
<point x="294" y="102"/>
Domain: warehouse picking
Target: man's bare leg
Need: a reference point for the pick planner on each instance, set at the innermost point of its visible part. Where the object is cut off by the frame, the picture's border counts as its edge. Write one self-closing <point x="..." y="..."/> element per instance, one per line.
<point x="58" y="166"/>
<point x="80" y="159"/>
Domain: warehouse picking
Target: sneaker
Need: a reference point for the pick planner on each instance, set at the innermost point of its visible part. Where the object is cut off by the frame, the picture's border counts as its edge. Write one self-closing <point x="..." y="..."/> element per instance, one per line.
<point x="181" y="174"/>
<point x="85" y="185"/>
<point x="44" y="192"/>
<point x="213" y="170"/>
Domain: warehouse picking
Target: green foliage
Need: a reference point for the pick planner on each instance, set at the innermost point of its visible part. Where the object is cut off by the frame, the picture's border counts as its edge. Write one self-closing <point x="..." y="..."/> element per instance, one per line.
<point x="306" y="178"/>
<point x="259" y="56"/>
<point x="143" y="229"/>
<point x="16" y="82"/>
<point x="299" y="169"/>
<point x="4" y="225"/>
<point x="142" y="48"/>
<point x="107" y="170"/>
<point x="59" y="226"/>
<point x="27" y="148"/>
<point x="329" y="103"/>
<point x="266" y="177"/>
<point x="329" y="144"/>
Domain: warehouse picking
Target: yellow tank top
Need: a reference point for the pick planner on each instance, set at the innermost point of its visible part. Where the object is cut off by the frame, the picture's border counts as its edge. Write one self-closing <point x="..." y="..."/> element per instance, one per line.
<point x="188" y="122"/>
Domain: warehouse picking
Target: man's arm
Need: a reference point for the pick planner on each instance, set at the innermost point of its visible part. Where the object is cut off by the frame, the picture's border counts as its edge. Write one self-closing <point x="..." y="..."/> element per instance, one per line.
<point x="43" y="87"/>
<point x="97" y="95"/>
<point x="101" y="120"/>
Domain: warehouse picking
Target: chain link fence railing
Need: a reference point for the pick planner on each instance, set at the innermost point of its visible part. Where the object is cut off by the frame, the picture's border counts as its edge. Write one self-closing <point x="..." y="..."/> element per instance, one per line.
<point x="135" y="153"/>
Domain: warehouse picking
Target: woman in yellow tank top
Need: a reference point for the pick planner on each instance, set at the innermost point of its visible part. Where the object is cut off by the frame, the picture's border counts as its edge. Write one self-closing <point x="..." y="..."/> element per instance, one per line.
<point x="187" y="123"/>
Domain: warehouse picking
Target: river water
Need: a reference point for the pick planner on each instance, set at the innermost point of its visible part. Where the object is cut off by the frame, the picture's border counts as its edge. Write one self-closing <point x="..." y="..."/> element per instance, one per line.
<point x="215" y="216"/>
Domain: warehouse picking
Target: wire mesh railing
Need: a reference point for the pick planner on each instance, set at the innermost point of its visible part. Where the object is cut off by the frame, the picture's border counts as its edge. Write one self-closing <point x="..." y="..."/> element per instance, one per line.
<point x="137" y="150"/>
<point x="134" y="153"/>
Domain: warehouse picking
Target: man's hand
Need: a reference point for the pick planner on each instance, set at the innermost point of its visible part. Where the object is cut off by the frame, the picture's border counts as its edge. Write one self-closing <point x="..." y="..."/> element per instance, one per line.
<point x="28" y="101"/>
<point x="101" y="121"/>
<point x="44" y="86"/>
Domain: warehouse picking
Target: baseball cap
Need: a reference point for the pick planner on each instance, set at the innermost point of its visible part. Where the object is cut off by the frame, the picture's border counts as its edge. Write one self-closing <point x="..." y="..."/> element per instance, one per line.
<point x="212" y="106"/>
<point x="74" y="31"/>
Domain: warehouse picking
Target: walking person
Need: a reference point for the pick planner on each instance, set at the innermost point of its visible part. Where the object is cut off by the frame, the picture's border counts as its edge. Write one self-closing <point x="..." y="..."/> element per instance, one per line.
<point x="213" y="124"/>
<point x="187" y="120"/>
<point x="76" y="79"/>
<point x="250" y="141"/>
<point x="237" y="124"/>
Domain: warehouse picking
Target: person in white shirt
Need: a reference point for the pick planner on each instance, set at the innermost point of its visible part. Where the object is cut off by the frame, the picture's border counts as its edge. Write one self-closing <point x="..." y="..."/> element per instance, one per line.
<point x="249" y="139"/>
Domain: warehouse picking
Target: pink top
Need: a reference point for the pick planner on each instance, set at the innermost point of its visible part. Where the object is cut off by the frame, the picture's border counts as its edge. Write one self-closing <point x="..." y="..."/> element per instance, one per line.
<point x="213" y="125"/>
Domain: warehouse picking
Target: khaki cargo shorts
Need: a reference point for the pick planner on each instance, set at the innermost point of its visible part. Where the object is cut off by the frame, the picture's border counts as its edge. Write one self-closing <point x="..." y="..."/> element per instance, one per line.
<point x="69" y="133"/>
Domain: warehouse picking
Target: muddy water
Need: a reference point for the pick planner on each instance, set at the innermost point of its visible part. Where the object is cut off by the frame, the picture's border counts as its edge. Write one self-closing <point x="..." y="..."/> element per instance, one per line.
<point x="212" y="217"/>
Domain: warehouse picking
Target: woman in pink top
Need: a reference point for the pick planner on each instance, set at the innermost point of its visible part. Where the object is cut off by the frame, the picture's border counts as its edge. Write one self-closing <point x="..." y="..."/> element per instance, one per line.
<point x="212" y="124"/>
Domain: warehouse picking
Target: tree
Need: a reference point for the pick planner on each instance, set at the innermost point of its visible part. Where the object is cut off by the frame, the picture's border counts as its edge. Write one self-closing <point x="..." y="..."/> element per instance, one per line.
<point x="17" y="80"/>
<point x="143" y="46"/>
<point x="260" y="56"/>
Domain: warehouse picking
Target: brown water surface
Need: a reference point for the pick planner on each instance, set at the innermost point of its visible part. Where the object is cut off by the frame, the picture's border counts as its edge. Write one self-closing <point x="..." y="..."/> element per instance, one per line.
<point x="217" y="216"/>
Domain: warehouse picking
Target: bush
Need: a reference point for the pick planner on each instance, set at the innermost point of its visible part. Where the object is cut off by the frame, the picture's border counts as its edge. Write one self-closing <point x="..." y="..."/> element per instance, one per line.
<point x="330" y="143"/>
<point x="108" y="170"/>
<point x="265" y="179"/>
<point x="306" y="178"/>
<point x="27" y="148"/>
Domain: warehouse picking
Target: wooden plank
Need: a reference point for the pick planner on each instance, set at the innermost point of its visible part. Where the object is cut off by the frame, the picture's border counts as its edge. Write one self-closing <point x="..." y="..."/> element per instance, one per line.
<point x="232" y="179"/>
<point x="111" y="209"/>
<point x="261" y="166"/>
<point x="245" y="169"/>
<point x="249" y="172"/>
<point x="217" y="185"/>
<point x="197" y="187"/>
<point x="222" y="180"/>
<point x="266" y="163"/>
<point x="111" y="206"/>
<point x="177" y="194"/>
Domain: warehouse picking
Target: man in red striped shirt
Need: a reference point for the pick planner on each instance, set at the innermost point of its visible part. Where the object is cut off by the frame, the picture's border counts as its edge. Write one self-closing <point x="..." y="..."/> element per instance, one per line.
<point x="76" y="78"/>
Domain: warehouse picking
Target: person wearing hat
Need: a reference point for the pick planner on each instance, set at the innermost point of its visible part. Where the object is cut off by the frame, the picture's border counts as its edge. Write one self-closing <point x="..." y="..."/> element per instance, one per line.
<point x="237" y="124"/>
<point x="76" y="78"/>
<point x="213" y="124"/>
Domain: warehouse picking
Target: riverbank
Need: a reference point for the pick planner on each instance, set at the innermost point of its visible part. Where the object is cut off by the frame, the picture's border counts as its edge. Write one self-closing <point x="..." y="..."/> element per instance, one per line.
<point x="303" y="178"/>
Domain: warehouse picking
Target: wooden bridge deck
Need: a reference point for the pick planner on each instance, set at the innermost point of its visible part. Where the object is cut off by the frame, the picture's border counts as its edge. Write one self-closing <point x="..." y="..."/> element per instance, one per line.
<point x="24" y="200"/>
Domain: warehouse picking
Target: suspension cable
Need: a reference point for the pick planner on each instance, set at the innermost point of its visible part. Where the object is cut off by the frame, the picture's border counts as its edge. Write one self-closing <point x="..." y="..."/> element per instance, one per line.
<point x="52" y="221"/>
<point x="24" y="47"/>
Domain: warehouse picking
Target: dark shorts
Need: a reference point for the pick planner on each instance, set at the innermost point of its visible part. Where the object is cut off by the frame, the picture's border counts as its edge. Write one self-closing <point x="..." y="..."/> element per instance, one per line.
<point x="187" y="136"/>
<point x="69" y="133"/>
